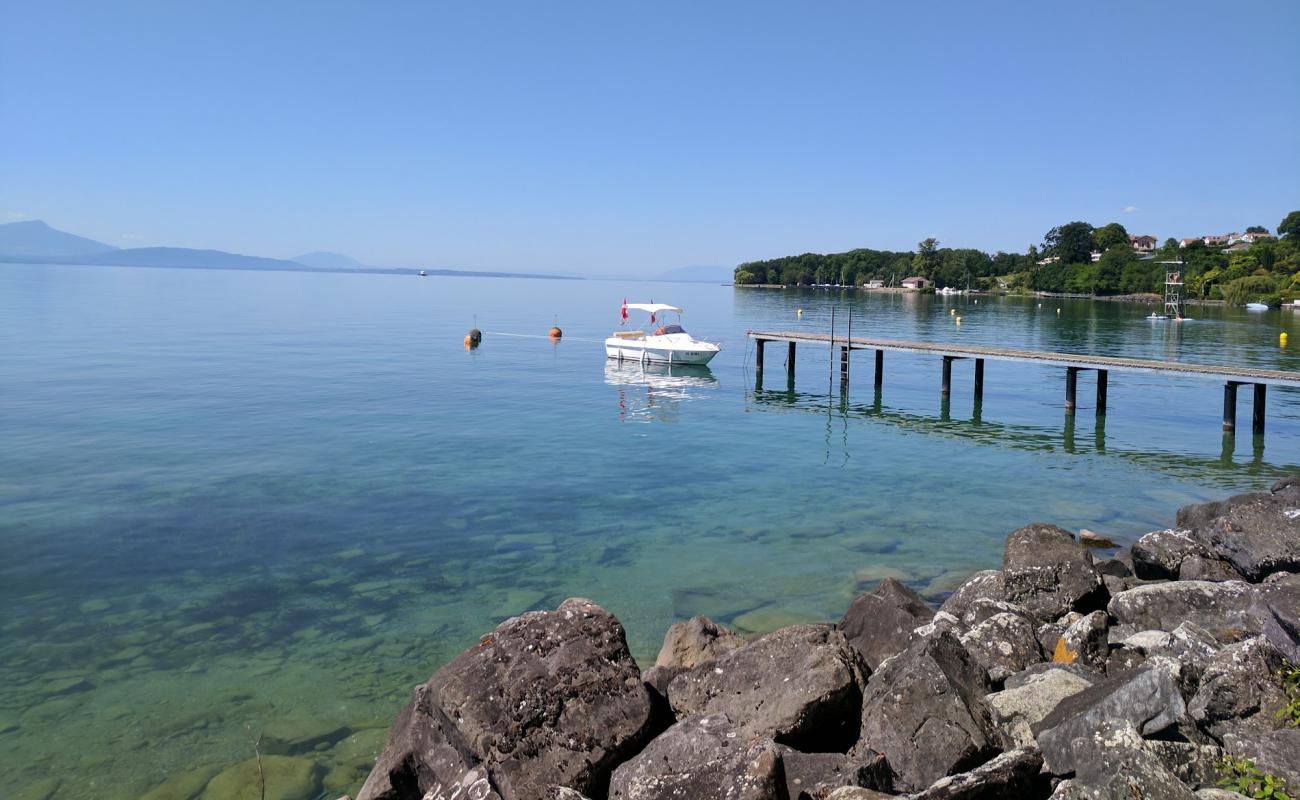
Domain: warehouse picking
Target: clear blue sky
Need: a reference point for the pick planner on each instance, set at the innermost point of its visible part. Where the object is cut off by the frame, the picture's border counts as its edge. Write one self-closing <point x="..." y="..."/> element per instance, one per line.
<point x="621" y="138"/>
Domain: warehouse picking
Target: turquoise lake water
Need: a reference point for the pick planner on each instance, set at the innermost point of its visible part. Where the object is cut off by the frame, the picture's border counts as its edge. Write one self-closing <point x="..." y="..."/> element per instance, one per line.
<point x="240" y="504"/>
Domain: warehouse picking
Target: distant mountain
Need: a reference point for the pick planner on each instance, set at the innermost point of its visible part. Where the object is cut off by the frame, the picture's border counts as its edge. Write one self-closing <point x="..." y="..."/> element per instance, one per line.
<point x="699" y="273"/>
<point x="185" y="257"/>
<point x="35" y="238"/>
<point x="324" y="260"/>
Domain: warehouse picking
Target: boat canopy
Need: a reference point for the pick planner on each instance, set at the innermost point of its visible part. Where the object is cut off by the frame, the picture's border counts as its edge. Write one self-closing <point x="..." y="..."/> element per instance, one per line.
<point x="653" y="308"/>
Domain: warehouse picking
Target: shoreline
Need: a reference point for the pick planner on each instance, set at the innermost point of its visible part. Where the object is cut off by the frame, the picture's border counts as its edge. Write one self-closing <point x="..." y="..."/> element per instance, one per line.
<point x="1145" y="299"/>
<point x="1059" y="676"/>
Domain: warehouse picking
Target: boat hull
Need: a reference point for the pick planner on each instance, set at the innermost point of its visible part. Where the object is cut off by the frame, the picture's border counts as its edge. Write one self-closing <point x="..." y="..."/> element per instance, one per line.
<point x="700" y="354"/>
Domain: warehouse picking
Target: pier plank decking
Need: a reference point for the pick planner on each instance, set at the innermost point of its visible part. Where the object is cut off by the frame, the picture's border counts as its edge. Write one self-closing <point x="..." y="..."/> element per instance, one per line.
<point x="1072" y="362"/>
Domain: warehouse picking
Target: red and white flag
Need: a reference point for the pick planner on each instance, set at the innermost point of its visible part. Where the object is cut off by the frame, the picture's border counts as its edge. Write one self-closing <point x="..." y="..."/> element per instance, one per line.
<point x="624" y="310"/>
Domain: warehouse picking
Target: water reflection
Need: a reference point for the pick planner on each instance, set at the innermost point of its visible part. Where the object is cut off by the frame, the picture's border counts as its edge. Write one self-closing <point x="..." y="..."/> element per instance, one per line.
<point x="656" y="392"/>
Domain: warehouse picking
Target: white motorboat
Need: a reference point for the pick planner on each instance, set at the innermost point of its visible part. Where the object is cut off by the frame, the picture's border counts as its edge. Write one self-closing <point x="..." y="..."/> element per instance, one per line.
<point x="1257" y="306"/>
<point x="667" y="343"/>
<point x="949" y="291"/>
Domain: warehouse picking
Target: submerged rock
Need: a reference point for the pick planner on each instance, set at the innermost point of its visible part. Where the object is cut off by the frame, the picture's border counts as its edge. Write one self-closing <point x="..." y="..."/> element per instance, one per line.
<point x="1049" y="573"/>
<point x="286" y="777"/>
<point x="800" y="686"/>
<point x="879" y="623"/>
<point x="703" y="758"/>
<point x="924" y="711"/>
<point x="548" y="698"/>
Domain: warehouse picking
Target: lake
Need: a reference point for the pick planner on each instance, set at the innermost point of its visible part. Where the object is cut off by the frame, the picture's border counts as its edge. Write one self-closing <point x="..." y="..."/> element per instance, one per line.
<point x="243" y="504"/>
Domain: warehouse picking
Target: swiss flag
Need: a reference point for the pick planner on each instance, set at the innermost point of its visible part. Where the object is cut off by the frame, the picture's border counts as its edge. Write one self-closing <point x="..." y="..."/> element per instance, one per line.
<point x="624" y="310"/>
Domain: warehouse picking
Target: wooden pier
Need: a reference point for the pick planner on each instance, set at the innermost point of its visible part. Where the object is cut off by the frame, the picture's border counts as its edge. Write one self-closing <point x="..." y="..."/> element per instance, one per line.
<point x="1073" y="364"/>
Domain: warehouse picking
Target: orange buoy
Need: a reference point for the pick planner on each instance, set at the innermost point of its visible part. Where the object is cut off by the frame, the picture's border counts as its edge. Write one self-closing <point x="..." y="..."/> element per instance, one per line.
<point x="473" y="338"/>
<point x="556" y="333"/>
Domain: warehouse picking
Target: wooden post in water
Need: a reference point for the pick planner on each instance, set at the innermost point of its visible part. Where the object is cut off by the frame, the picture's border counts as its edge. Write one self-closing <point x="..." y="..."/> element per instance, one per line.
<point x="789" y="360"/>
<point x="979" y="379"/>
<point x="1257" y="417"/>
<point x="880" y="368"/>
<point x="1071" y="383"/>
<point x="1102" y="376"/>
<point x="758" y="348"/>
<point x="830" y="368"/>
<point x="1230" y="406"/>
<point x="947" y="376"/>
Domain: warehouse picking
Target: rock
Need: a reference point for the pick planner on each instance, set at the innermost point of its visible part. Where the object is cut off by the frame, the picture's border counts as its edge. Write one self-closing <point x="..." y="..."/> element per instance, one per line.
<point x="1188" y="644"/>
<point x="986" y="584"/>
<point x="1239" y="689"/>
<point x="1119" y="565"/>
<point x="694" y="641"/>
<point x="563" y="793"/>
<point x="1114" y="764"/>
<point x="287" y="778"/>
<point x="183" y="786"/>
<point x="1159" y="555"/>
<point x="550" y="698"/>
<point x="852" y="793"/>
<point x="1276" y="752"/>
<point x="1147" y="699"/>
<point x="1194" y="764"/>
<point x="801" y="686"/>
<point x="1003" y="644"/>
<point x="1257" y="533"/>
<point x="1049" y="573"/>
<point x="704" y="757"/>
<point x="42" y="789"/>
<point x="1011" y="774"/>
<point x="924" y="711"/>
<point x="942" y="622"/>
<point x="1036" y="693"/>
<point x="807" y="774"/>
<point x="879" y="623"/>
<point x="1217" y="794"/>
<point x="1084" y="642"/>
<point x="983" y="608"/>
<point x="1228" y="611"/>
<point x="1200" y="568"/>
<point x="1095" y="540"/>
<point x="1281" y="592"/>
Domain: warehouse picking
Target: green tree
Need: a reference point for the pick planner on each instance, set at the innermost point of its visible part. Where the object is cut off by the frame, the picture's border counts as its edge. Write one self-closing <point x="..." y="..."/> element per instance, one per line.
<point x="1257" y="229"/>
<point x="1110" y="269"/>
<point x="927" y="260"/>
<point x="1290" y="226"/>
<point x="1108" y="236"/>
<point x="1072" y="243"/>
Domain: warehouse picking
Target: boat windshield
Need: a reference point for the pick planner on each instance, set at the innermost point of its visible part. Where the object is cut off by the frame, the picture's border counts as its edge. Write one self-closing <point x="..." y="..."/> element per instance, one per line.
<point x="664" y="330"/>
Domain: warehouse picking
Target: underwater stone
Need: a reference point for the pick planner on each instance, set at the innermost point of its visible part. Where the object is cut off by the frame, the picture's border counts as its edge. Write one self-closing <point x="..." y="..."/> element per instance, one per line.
<point x="287" y="778"/>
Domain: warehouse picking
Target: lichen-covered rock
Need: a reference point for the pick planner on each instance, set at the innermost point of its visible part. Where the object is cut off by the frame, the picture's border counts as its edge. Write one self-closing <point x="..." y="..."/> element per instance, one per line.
<point x="564" y="793"/>
<point x="1257" y="533"/>
<point x="800" y="686"/>
<point x="1031" y="696"/>
<point x="1229" y="611"/>
<point x="809" y="774"/>
<point x="1276" y="752"/>
<point x="924" y="710"/>
<point x="1084" y="642"/>
<point x="1198" y="568"/>
<point x="1281" y="591"/>
<point x="1049" y="573"/>
<point x="694" y="641"/>
<point x="1114" y="764"/>
<point x="1003" y="644"/>
<point x="550" y="698"/>
<point x="1016" y="773"/>
<point x="703" y="758"/>
<point x="1159" y="555"/>
<point x="879" y="623"/>
<point x="986" y="584"/>
<point x="1147" y="699"/>
<point x="1239" y="689"/>
<point x="984" y="607"/>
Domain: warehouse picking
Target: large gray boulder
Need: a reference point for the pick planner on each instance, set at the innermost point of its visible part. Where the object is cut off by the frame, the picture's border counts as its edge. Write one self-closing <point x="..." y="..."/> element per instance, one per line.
<point x="924" y="711"/>
<point x="880" y="622"/>
<point x="1033" y="694"/>
<point x="1229" y="611"/>
<point x="1016" y="773"/>
<point x="1281" y="591"/>
<point x="1115" y="764"/>
<point x="1049" y="573"/>
<point x="703" y="758"/>
<point x="550" y="698"/>
<point x="814" y="774"/>
<point x="1240" y="690"/>
<point x="986" y="584"/>
<point x="1148" y="699"/>
<point x="1276" y="752"/>
<point x="1003" y="644"/>
<point x="800" y="686"/>
<point x="694" y="641"/>
<point x="1159" y="555"/>
<point x="1257" y="533"/>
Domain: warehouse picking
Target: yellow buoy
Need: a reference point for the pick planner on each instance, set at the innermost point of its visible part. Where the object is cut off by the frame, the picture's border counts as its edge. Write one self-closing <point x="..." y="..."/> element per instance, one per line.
<point x="959" y="320"/>
<point x="952" y="312"/>
<point x="556" y="332"/>
<point x="798" y="312"/>
<point x="1281" y="339"/>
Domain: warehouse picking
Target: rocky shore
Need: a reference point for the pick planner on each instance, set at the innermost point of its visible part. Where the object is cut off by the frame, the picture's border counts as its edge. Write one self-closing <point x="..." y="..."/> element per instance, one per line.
<point x="1062" y="675"/>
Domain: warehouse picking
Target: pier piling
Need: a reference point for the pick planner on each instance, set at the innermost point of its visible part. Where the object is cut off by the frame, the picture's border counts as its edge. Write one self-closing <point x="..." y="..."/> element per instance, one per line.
<point x="979" y="380"/>
<point x="880" y="368"/>
<point x="758" y="360"/>
<point x="947" y="376"/>
<point x="1257" y="414"/>
<point x="789" y="360"/>
<point x="1102" y="376"/>
<point x="1071" y="384"/>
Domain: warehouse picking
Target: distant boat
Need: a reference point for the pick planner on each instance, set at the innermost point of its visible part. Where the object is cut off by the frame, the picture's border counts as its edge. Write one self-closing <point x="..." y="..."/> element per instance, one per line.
<point x="1257" y="306"/>
<point x="948" y="290"/>
<point x="423" y="274"/>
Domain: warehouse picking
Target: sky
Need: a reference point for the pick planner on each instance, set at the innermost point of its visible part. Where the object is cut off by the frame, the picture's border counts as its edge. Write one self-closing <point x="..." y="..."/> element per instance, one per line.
<point x="624" y="138"/>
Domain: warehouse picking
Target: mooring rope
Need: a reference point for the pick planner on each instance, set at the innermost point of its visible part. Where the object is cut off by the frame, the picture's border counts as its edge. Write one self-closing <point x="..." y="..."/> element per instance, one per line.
<point x="541" y="336"/>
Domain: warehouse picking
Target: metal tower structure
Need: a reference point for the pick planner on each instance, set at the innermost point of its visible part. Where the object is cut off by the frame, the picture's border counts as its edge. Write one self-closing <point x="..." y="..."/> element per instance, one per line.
<point x="1173" y="289"/>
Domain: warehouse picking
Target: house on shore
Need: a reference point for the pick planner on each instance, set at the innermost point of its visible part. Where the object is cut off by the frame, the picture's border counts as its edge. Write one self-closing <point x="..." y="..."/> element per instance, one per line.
<point x="916" y="282"/>
<point x="1143" y="244"/>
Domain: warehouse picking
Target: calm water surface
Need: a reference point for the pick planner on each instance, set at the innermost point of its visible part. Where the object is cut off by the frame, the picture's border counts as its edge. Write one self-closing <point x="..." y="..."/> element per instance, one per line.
<point x="239" y="504"/>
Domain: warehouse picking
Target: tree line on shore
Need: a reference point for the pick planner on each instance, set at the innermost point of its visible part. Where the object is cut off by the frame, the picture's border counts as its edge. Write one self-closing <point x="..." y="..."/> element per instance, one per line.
<point x="1268" y="269"/>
